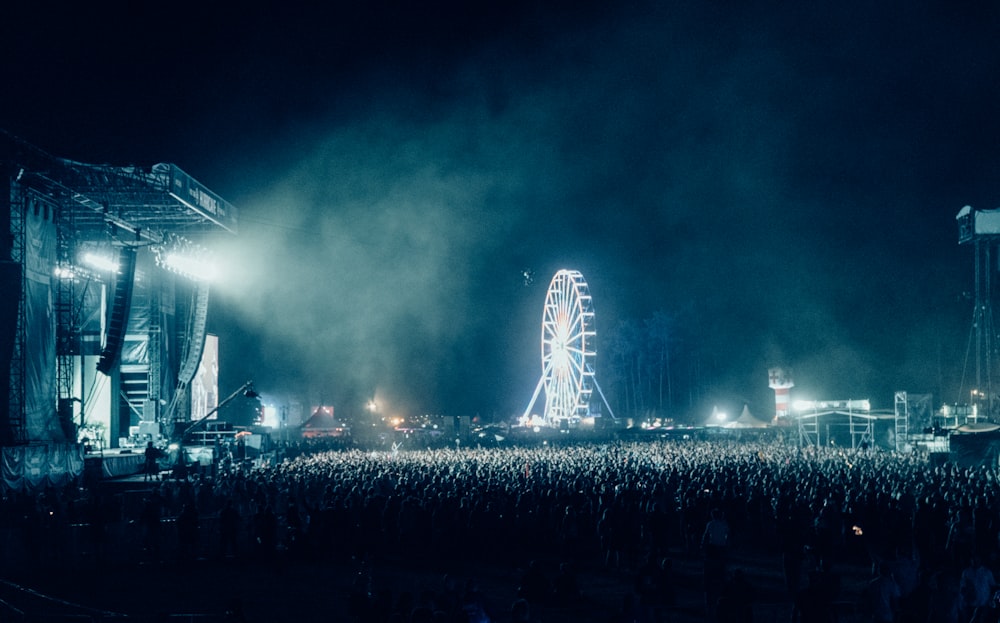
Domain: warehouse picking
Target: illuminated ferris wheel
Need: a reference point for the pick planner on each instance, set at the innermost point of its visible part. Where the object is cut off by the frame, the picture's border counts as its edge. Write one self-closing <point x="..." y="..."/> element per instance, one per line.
<point x="568" y="353"/>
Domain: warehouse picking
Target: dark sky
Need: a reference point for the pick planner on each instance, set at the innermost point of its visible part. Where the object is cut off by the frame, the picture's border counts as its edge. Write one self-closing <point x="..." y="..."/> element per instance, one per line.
<point x="791" y="171"/>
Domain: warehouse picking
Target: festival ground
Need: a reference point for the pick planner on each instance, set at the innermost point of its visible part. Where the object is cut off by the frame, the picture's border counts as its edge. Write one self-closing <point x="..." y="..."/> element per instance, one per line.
<point x="205" y="589"/>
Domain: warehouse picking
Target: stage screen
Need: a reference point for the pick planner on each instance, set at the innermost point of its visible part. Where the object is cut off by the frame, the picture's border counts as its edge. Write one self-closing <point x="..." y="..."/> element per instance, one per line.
<point x="205" y="384"/>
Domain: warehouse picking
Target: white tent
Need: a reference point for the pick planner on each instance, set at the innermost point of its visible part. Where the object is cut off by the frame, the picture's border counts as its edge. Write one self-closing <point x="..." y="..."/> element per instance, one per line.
<point x="746" y="420"/>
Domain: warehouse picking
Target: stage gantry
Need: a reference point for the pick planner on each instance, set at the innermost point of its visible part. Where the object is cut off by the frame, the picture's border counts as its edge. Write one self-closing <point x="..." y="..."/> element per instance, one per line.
<point x="57" y="210"/>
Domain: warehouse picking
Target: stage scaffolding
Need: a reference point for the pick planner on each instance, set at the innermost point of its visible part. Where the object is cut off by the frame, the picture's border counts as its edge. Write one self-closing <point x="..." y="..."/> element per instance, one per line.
<point x="125" y="210"/>
<point x="854" y="415"/>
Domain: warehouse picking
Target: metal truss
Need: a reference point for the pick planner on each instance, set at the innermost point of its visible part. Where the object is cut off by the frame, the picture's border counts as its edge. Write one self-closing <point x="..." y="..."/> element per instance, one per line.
<point x="94" y="204"/>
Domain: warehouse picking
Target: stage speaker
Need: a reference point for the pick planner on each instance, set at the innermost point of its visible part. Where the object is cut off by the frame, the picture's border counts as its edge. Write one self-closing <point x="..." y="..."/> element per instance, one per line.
<point x="148" y="413"/>
<point x="150" y="429"/>
<point x="464" y="426"/>
<point x="120" y="306"/>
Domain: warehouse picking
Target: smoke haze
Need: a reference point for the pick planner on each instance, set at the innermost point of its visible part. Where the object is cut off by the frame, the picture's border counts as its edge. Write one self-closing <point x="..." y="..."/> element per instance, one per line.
<point x="790" y="174"/>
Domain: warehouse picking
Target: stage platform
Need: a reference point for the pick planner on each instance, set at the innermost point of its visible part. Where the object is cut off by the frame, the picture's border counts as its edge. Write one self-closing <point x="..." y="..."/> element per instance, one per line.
<point x="114" y="463"/>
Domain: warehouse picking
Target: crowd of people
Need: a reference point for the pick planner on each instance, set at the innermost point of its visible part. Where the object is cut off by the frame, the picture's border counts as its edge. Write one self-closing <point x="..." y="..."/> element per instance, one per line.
<point x="928" y="531"/>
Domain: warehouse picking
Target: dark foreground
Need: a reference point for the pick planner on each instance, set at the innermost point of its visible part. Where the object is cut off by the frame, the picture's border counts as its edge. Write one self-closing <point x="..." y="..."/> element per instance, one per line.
<point x="208" y="590"/>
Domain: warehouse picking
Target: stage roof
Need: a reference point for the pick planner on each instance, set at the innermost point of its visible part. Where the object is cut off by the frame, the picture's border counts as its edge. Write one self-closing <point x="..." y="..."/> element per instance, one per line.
<point x="864" y="415"/>
<point x="150" y="202"/>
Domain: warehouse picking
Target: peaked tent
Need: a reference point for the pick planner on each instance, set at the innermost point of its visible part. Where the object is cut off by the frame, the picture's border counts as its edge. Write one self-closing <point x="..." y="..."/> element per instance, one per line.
<point x="322" y="424"/>
<point x="746" y="420"/>
<point x="717" y="419"/>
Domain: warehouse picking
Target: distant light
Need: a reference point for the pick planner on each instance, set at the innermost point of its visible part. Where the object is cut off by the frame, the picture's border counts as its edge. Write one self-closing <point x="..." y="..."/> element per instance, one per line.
<point x="537" y="429"/>
<point x="63" y="273"/>
<point x="804" y="405"/>
<point x="721" y="415"/>
<point x="100" y="262"/>
<point x="270" y="418"/>
<point x="173" y="446"/>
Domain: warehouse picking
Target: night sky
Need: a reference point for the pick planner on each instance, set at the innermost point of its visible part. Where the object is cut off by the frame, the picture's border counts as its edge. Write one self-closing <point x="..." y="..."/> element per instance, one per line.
<point x="788" y="174"/>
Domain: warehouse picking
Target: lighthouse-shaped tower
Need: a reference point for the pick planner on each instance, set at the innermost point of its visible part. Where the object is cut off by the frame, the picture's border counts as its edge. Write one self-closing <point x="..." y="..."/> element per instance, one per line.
<point x="780" y="380"/>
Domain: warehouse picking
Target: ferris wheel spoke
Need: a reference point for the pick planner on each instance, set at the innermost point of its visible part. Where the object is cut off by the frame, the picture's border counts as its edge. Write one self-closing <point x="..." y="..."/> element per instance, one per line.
<point x="567" y="347"/>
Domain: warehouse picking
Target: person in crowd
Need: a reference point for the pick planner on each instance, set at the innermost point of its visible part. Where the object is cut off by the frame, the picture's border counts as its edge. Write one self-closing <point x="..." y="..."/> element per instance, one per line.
<point x="229" y="529"/>
<point x="715" y="549"/>
<point x="150" y="518"/>
<point x="610" y="504"/>
<point x="150" y="463"/>
<point x="535" y="587"/>
<point x="975" y="589"/>
<point x="881" y="597"/>
<point x="187" y="532"/>
<point x="735" y="603"/>
<point x="815" y="602"/>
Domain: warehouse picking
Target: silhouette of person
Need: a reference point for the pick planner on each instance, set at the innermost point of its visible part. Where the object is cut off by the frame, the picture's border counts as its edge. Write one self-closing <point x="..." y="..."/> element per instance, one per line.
<point x="151" y="468"/>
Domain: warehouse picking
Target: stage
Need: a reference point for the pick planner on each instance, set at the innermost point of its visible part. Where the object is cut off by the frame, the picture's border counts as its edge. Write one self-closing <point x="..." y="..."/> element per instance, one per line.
<point x="114" y="463"/>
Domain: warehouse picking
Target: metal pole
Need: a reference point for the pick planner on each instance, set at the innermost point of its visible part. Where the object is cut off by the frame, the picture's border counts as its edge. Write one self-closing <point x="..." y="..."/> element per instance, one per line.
<point x="225" y="401"/>
<point x="978" y="321"/>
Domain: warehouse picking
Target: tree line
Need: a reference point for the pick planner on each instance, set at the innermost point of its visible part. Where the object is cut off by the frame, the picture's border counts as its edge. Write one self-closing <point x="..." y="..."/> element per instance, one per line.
<point x="652" y="368"/>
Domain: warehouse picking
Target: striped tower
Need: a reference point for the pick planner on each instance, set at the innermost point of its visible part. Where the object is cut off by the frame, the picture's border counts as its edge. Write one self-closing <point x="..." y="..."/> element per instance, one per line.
<point x="780" y="381"/>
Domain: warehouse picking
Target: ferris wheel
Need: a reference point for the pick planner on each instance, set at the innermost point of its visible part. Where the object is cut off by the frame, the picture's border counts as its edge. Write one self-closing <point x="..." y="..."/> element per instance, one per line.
<point x="568" y="353"/>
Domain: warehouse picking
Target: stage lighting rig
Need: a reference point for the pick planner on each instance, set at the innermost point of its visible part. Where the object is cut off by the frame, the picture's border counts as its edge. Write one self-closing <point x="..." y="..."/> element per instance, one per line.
<point x="186" y="258"/>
